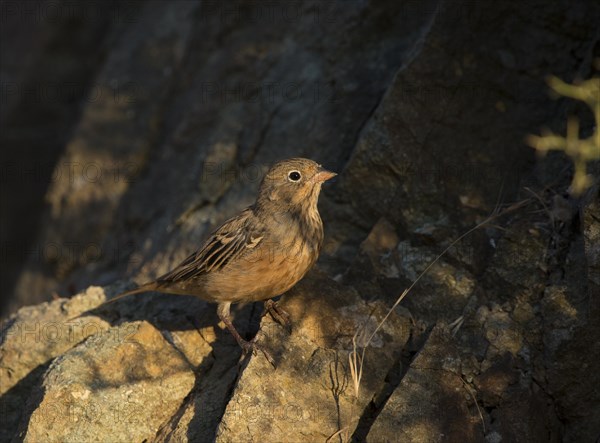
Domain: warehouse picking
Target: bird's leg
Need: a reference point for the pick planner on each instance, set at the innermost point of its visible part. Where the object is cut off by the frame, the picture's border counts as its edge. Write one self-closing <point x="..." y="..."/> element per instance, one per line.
<point x="224" y="315"/>
<point x="279" y="314"/>
<point x="247" y="346"/>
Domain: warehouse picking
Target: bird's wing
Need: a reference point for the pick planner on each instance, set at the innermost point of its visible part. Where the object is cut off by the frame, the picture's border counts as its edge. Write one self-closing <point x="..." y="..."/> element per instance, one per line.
<point x="231" y="240"/>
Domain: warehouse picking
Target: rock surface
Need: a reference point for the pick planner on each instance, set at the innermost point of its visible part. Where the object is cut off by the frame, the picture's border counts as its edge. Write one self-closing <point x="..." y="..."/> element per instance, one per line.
<point x="311" y="395"/>
<point x="31" y="339"/>
<point x="432" y="402"/>
<point x="128" y="379"/>
<point x="423" y="108"/>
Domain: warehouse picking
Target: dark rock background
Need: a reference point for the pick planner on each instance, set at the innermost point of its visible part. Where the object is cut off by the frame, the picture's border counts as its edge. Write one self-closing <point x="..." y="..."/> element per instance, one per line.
<point x="131" y="129"/>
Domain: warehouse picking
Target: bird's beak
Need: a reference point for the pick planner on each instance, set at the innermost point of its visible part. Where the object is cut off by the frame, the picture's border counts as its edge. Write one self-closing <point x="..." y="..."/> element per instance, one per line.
<point x="323" y="175"/>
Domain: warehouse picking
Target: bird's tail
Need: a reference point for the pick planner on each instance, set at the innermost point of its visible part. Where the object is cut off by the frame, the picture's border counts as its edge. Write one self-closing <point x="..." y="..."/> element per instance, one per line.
<point x="143" y="288"/>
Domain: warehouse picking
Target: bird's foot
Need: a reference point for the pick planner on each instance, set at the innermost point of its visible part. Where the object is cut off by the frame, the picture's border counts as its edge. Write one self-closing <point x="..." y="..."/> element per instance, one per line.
<point x="279" y="314"/>
<point x="247" y="346"/>
<point x="253" y="347"/>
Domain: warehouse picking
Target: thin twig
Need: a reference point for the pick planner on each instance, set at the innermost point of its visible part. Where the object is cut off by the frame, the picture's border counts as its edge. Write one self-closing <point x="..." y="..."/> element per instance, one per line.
<point x="470" y="391"/>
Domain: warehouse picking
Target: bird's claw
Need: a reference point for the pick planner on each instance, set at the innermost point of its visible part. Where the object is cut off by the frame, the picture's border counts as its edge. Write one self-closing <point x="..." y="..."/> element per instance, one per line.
<point x="279" y="314"/>
<point x="253" y="347"/>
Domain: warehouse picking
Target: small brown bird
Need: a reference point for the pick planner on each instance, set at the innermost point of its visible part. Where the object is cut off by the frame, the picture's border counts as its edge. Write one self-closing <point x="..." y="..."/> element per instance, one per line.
<point x="260" y="253"/>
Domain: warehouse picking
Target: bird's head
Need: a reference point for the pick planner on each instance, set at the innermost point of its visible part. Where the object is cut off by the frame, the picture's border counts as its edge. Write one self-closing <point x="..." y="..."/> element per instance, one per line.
<point x="293" y="182"/>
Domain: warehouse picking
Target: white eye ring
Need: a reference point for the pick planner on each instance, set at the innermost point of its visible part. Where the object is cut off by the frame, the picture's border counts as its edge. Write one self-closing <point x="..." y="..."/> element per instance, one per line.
<point x="294" y="176"/>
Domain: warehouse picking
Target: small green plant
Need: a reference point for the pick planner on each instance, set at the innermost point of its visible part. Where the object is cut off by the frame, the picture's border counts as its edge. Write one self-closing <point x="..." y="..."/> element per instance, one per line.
<point x="581" y="151"/>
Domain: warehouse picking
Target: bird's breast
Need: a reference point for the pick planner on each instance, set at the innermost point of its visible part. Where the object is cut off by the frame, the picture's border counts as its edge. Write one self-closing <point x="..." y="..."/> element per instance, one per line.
<point x="282" y="257"/>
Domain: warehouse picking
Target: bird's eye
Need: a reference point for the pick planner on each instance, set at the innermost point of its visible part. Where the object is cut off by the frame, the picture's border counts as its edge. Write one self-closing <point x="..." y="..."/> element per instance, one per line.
<point x="294" y="176"/>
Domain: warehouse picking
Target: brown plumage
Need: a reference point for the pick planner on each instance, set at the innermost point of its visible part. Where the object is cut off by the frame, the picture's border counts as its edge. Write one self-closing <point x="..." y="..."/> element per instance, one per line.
<point x="260" y="253"/>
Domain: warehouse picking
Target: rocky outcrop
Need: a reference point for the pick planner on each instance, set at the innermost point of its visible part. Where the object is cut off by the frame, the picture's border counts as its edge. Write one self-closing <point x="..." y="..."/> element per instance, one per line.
<point x="31" y="339"/>
<point x="423" y="108"/>
<point x="128" y="379"/>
